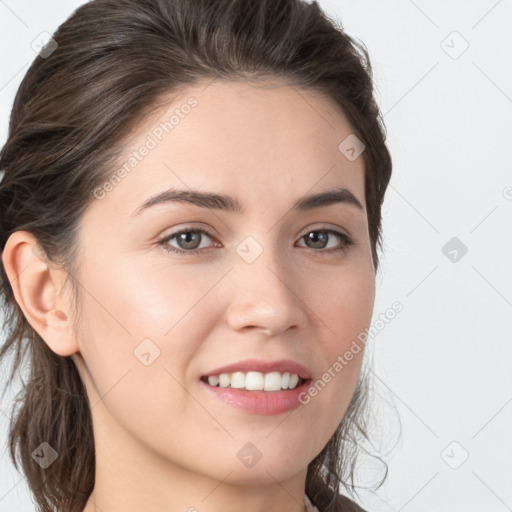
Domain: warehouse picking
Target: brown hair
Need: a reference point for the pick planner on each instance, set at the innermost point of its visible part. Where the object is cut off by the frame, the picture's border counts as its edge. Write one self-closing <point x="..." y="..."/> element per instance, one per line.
<point x="116" y="61"/>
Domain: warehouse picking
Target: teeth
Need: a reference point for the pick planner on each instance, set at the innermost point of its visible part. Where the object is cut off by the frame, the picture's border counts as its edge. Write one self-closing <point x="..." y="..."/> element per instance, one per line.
<point x="237" y="380"/>
<point x="213" y="380"/>
<point x="223" y="380"/>
<point x="294" y="379"/>
<point x="255" y="381"/>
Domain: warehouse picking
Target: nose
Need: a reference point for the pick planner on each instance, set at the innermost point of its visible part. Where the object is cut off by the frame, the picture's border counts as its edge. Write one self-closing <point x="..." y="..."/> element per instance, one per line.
<point x="267" y="296"/>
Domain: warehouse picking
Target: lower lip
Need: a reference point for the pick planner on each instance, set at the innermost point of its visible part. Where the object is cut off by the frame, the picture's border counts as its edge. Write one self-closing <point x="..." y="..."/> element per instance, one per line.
<point x="260" y="402"/>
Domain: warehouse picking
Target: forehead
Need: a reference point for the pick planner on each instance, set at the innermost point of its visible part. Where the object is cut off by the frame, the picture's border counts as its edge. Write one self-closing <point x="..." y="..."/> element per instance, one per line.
<point x="269" y="142"/>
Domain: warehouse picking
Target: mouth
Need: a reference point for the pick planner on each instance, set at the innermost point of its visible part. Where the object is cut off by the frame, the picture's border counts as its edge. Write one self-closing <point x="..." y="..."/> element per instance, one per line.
<point x="273" y="381"/>
<point x="255" y="392"/>
<point x="259" y="375"/>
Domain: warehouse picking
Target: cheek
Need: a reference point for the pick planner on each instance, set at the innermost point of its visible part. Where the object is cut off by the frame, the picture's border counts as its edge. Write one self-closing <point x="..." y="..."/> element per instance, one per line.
<point x="143" y="324"/>
<point x="343" y="307"/>
<point x="137" y="299"/>
<point x="175" y="312"/>
<point x="134" y="371"/>
<point x="164" y="295"/>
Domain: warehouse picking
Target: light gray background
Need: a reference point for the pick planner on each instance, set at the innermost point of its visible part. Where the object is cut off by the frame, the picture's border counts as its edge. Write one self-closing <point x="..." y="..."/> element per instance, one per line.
<point x="444" y="361"/>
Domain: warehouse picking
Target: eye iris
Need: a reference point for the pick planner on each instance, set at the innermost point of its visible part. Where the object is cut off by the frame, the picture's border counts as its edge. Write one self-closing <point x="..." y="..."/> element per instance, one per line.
<point x="186" y="237"/>
<point x="313" y="236"/>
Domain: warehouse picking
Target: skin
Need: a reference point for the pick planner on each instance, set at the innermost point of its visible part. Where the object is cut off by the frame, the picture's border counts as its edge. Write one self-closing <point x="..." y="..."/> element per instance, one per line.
<point x="162" y="442"/>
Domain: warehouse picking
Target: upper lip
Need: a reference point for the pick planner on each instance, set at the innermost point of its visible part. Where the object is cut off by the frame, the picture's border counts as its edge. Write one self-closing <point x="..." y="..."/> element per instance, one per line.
<point x="260" y="365"/>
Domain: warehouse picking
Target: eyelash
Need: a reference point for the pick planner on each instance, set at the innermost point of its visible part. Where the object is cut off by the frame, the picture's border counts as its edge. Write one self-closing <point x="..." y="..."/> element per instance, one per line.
<point x="346" y="241"/>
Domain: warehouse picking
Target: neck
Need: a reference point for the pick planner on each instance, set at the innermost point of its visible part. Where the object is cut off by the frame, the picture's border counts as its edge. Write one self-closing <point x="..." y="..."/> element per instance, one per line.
<point x="130" y="477"/>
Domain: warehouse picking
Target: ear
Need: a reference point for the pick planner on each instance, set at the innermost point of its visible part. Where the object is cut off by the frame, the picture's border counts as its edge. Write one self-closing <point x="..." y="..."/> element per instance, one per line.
<point x="37" y="289"/>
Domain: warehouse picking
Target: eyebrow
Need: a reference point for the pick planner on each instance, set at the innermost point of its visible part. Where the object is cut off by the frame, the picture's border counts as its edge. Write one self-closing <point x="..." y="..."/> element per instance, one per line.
<point x="213" y="201"/>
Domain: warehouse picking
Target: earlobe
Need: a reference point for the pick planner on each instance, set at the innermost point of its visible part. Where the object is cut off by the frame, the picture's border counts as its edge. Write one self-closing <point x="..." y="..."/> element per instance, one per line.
<point x="37" y="289"/>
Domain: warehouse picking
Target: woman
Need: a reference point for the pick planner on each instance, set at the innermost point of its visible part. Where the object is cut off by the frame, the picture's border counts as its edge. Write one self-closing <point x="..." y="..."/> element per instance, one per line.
<point x="190" y="219"/>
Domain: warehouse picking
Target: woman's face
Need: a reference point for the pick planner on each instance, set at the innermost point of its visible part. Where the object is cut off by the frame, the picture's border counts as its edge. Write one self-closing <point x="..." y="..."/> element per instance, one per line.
<point x="268" y="282"/>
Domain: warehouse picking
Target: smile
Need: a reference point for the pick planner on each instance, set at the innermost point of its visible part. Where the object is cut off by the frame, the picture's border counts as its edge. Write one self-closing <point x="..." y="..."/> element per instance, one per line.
<point x="255" y="381"/>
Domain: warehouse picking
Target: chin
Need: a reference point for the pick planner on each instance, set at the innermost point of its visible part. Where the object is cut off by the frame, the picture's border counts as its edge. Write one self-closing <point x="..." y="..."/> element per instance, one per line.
<point x="266" y="470"/>
<point x="267" y="475"/>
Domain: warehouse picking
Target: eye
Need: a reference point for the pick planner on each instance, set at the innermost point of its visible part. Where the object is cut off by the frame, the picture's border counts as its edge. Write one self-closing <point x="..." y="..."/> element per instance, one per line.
<point x="190" y="244"/>
<point x="319" y="237"/>
<point x="189" y="241"/>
